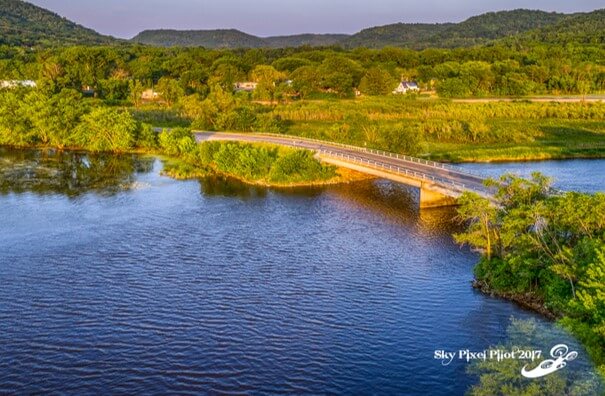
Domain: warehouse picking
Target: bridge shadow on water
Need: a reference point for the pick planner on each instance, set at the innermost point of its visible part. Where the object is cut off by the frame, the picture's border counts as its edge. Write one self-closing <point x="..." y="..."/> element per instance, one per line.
<point x="391" y="202"/>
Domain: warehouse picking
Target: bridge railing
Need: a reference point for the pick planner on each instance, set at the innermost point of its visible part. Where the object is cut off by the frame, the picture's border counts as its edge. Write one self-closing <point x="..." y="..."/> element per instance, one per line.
<point x="432" y="164"/>
<point x="447" y="183"/>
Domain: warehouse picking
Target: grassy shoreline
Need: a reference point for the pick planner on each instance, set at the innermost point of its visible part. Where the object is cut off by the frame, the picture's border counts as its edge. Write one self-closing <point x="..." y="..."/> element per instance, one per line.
<point x="180" y="170"/>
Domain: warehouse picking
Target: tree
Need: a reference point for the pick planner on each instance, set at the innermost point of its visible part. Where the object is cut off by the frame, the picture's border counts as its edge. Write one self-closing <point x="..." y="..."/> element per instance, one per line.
<point x="135" y="92"/>
<point x="453" y="88"/>
<point x="377" y="81"/>
<point x="305" y="80"/>
<point x="106" y="129"/>
<point x="170" y="90"/>
<point x="591" y="292"/>
<point x="177" y="141"/>
<point x="267" y="78"/>
<point x="480" y="217"/>
<point x="54" y="118"/>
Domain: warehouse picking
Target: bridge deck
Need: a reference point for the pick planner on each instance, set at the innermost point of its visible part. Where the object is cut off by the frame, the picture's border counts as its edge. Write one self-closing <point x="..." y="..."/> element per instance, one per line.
<point x="448" y="179"/>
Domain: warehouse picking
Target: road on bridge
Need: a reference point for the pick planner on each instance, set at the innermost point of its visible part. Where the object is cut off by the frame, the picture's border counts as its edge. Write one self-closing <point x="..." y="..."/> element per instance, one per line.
<point x="442" y="174"/>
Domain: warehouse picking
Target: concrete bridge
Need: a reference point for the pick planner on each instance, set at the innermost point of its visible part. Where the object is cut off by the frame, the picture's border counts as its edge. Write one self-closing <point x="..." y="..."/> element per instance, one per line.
<point x="439" y="184"/>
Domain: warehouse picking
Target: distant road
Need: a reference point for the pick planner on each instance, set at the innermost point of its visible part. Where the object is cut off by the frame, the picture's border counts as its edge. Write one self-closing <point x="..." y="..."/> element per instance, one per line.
<point x="562" y="99"/>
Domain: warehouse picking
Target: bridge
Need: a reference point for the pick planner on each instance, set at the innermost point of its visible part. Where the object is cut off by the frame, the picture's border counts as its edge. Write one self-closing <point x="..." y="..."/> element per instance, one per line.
<point x="439" y="184"/>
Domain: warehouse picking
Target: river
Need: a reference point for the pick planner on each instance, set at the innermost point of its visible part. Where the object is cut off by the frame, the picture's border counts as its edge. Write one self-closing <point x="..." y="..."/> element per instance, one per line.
<point x="115" y="279"/>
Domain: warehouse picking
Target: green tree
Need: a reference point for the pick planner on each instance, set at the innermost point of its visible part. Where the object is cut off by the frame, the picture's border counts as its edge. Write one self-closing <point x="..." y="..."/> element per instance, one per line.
<point x="170" y="90"/>
<point x="267" y="78"/>
<point x="135" y="92"/>
<point x="106" y="129"/>
<point x="480" y="217"/>
<point x="377" y="81"/>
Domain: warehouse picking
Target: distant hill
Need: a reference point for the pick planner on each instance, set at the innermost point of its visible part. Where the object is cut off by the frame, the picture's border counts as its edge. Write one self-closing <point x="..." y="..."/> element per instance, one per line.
<point x="297" y="40"/>
<point x="24" y="24"/>
<point x="220" y="38"/>
<point x="231" y="38"/>
<point x="494" y="25"/>
<point x="411" y="35"/>
<point x="581" y="28"/>
<point x="476" y="30"/>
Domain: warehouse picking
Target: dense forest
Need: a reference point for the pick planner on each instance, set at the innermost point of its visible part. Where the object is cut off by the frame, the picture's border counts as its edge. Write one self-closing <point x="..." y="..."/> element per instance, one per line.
<point x="24" y="24"/>
<point x="476" y="30"/>
<point x="313" y="92"/>
<point x="232" y="38"/>
<point x="304" y="72"/>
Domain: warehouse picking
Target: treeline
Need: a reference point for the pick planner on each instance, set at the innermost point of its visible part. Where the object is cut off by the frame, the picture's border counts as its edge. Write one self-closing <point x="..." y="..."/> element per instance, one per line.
<point x="550" y="247"/>
<point x="30" y="118"/>
<point x="33" y="118"/>
<point x="121" y="73"/>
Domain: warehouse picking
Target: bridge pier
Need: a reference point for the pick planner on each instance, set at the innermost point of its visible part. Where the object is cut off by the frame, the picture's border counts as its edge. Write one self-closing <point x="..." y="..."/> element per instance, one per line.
<point x="434" y="199"/>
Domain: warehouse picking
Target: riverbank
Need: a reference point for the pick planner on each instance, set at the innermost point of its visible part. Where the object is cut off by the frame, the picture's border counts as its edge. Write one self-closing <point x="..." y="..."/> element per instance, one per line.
<point x="181" y="170"/>
<point x="545" y="252"/>
<point x="189" y="165"/>
<point x="527" y="301"/>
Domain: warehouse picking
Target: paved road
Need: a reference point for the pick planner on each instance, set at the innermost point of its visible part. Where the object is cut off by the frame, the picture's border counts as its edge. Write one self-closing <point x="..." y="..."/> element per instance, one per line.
<point x="443" y="175"/>
<point x="538" y="99"/>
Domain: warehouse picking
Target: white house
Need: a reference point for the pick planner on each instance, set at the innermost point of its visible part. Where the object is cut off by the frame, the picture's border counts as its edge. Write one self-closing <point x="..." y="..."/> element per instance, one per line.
<point x="10" y="84"/>
<point x="150" y="94"/>
<point x="405" y="87"/>
<point x="247" y="86"/>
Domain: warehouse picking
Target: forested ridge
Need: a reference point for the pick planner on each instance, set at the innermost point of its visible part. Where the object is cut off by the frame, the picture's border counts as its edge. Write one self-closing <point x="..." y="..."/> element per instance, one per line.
<point x="24" y="24"/>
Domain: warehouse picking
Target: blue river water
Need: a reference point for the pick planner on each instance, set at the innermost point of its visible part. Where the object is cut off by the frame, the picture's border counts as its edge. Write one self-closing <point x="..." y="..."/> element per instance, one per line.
<point x="117" y="280"/>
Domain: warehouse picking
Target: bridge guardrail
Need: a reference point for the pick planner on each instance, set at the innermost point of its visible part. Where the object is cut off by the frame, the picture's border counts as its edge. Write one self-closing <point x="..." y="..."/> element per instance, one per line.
<point x="403" y="171"/>
<point x="324" y="148"/>
<point x="433" y="164"/>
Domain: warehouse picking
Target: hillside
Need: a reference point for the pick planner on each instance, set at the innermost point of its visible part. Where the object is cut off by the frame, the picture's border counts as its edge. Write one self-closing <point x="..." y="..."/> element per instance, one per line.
<point x="476" y="30"/>
<point x="220" y="38"/>
<point x="411" y="35"/>
<point x="313" y="40"/>
<point x="24" y="24"/>
<point x="231" y="38"/>
<point x="494" y="25"/>
<point x="583" y="28"/>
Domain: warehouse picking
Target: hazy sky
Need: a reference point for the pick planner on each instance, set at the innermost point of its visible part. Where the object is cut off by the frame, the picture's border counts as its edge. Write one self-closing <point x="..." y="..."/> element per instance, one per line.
<point x="125" y="18"/>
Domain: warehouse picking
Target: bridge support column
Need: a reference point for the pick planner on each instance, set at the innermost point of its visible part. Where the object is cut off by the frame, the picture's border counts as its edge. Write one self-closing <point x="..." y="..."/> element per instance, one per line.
<point x="434" y="199"/>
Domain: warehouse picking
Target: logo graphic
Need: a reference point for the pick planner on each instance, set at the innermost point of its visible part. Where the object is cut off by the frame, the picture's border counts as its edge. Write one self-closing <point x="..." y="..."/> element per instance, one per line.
<point x="560" y="356"/>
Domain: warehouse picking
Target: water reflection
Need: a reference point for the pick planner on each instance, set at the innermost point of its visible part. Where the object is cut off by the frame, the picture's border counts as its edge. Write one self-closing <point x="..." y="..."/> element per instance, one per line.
<point x="49" y="171"/>
<point x="341" y="290"/>
<point x="397" y="204"/>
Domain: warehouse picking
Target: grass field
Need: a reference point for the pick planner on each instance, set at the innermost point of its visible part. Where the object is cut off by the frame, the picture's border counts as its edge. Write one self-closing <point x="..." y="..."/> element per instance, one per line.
<point x="438" y="129"/>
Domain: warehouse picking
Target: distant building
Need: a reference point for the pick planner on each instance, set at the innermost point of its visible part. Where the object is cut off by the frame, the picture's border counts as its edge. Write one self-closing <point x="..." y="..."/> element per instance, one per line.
<point x="11" y="84"/>
<point x="405" y="87"/>
<point x="247" y="86"/>
<point x="88" y="91"/>
<point x="150" y="94"/>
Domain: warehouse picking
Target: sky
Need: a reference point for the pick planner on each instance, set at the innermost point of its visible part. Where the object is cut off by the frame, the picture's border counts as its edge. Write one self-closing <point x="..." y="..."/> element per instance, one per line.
<point x="126" y="18"/>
